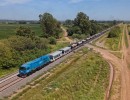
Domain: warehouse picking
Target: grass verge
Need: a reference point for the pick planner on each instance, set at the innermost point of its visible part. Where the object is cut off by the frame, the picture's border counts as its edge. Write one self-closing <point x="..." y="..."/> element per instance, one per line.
<point x="115" y="42"/>
<point x="117" y="54"/>
<point x="101" y="39"/>
<point x="126" y="39"/>
<point x="82" y="76"/>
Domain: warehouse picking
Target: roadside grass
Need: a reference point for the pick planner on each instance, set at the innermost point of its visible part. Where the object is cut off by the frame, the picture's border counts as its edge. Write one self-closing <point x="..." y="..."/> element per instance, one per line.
<point x="4" y="72"/>
<point x="117" y="54"/>
<point x="116" y="85"/>
<point x="126" y="39"/>
<point x="114" y="43"/>
<point x="100" y="40"/>
<point x="83" y="76"/>
<point x="7" y="30"/>
<point x="128" y="27"/>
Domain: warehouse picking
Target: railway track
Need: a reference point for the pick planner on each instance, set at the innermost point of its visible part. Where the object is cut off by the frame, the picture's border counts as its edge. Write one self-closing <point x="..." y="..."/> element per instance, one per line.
<point x="8" y="76"/>
<point x="9" y="82"/>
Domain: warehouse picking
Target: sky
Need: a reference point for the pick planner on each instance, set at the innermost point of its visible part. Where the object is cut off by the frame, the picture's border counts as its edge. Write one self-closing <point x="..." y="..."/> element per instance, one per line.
<point x="65" y="9"/>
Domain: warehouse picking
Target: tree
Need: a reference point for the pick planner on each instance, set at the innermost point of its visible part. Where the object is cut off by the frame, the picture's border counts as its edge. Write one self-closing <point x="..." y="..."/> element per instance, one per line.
<point x="50" y="26"/>
<point x="94" y="27"/>
<point x="82" y="21"/>
<point x="68" y="22"/>
<point x="74" y="30"/>
<point x="25" y="31"/>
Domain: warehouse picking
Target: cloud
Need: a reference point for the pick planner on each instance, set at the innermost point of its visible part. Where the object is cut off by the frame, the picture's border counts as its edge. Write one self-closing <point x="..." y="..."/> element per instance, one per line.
<point x="76" y="1"/>
<point x="8" y="2"/>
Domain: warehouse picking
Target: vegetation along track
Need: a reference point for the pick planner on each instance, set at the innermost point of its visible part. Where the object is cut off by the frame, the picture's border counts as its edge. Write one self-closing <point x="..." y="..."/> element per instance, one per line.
<point x="62" y="84"/>
<point x="12" y="83"/>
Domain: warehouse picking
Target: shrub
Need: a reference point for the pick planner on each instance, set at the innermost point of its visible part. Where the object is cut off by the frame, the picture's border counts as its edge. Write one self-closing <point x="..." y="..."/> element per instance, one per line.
<point x="52" y="40"/>
<point x="114" y="32"/>
<point x="41" y="43"/>
<point x="79" y="36"/>
<point x="6" y="56"/>
<point x="21" y="43"/>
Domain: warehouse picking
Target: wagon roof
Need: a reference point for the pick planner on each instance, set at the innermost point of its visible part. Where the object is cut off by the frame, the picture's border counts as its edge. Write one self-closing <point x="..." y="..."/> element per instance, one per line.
<point x="34" y="61"/>
<point x="55" y="53"/>
<point x="66" y="48"/>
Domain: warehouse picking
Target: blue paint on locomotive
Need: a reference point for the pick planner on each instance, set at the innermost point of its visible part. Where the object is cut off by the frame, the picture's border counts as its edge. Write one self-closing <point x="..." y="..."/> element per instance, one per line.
<point x="33" y="65"/>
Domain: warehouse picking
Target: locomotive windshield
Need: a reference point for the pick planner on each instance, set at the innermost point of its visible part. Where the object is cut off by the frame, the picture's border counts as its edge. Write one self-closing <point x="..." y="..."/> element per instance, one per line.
<point x="22" y="68"/>
<point x="51" y="57"/>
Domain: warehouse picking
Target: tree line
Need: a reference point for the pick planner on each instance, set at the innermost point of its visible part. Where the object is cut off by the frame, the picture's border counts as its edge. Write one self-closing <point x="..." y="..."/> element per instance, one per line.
<point x="26" y="45"/>
<point x="82" y="26"/>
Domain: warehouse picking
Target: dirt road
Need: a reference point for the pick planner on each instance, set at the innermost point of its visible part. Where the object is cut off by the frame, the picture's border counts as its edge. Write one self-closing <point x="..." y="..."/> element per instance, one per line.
<point x="125" y="90"/>
<point x="66" y="35"/>
<point x="122" y="72"/>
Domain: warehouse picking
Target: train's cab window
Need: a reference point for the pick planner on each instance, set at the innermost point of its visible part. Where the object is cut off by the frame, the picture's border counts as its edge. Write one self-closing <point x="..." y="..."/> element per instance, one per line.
<point x="51" y="57"/>
<point x="22" y="68"/>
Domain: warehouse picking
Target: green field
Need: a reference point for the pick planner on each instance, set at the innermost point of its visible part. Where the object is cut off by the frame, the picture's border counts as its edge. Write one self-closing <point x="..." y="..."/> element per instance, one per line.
<point x="83" y="76"/>
<point x="7" y="30"/>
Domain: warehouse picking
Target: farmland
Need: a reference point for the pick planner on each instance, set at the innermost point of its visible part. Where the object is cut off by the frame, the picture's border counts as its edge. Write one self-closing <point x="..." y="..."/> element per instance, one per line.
<point x="7" y="30"/>
<point x="81" y="76"/>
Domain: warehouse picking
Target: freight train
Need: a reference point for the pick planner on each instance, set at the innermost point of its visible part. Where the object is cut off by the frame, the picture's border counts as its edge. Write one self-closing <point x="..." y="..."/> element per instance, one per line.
<point x="42" y="61"/>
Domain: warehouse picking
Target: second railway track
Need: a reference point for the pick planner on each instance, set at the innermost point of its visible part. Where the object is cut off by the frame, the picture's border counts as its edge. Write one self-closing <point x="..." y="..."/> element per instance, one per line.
<point x="7" y="84"/>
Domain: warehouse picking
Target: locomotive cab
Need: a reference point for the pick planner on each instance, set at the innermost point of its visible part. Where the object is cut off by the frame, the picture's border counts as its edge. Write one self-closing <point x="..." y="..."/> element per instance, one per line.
<point x="23" y="70"/>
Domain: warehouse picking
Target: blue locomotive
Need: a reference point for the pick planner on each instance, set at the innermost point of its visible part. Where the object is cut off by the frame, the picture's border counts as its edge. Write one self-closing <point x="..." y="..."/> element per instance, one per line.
<point x="31" y="66"/>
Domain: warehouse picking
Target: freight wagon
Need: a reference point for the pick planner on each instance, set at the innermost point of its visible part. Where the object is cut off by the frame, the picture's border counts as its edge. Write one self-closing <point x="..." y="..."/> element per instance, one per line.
<point x="65" y="50"/>
<point x="56" y="55"/>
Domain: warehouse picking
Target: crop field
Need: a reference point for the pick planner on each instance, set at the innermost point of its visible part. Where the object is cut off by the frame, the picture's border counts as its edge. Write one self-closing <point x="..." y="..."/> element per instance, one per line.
<point x="7" y="30"/>
<point x="83" y="76"/>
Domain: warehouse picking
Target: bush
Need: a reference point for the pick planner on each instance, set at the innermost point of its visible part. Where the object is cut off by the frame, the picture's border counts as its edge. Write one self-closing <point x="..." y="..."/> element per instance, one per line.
<point x="79" y="36"/>
<point x="114" y="32"/>
<point x="20" y="43"/>
<point x="6" y="56"/>
<point x="74" y="30"/>
<point x="41" y="43"/>
<point x="52" y="40"/>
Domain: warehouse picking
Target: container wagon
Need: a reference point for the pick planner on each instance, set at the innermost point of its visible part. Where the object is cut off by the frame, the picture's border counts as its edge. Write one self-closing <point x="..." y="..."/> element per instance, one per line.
<point x="65" y="50"/>
<point x="56" y="55"/>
